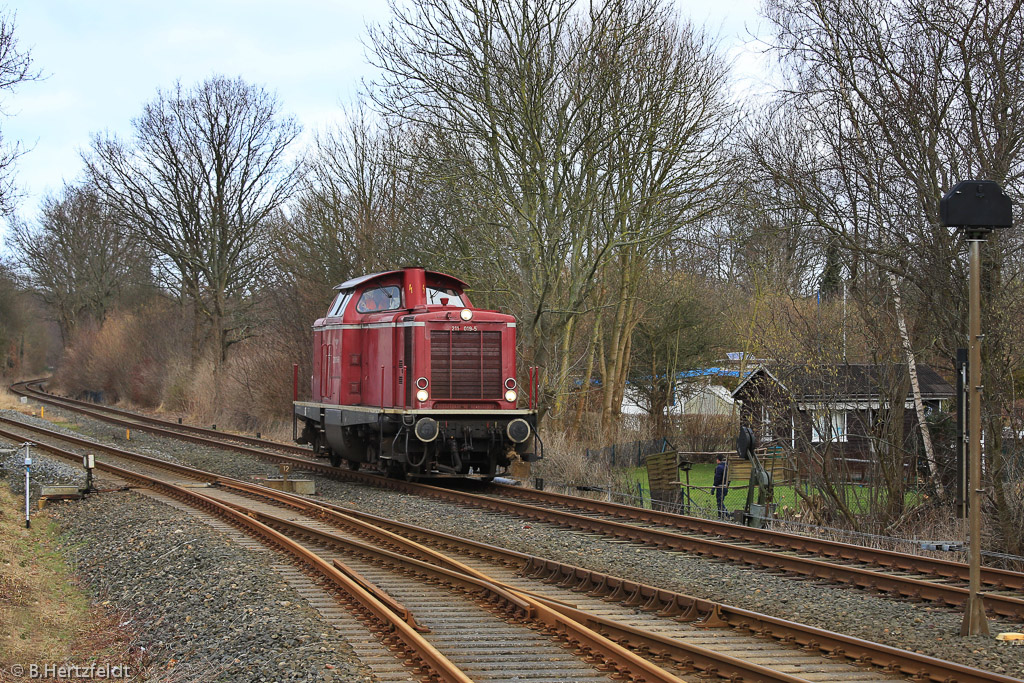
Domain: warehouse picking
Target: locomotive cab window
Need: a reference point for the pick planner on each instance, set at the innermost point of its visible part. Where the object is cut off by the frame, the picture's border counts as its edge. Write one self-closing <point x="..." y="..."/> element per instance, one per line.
<point x="338" y="309"/>
<point x="388" y="298"/>
<point x="435" y="294"/>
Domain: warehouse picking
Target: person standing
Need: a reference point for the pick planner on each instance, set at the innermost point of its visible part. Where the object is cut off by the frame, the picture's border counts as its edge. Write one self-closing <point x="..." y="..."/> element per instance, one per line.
<point x="721" y="485"/>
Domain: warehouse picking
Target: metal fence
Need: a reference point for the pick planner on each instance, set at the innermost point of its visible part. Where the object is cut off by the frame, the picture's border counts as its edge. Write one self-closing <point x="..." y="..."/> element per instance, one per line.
<point x="630" y="454"/>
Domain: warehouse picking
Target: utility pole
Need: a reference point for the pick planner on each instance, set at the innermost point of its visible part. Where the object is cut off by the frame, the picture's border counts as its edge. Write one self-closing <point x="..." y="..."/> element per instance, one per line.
<point x="977" y="206"/>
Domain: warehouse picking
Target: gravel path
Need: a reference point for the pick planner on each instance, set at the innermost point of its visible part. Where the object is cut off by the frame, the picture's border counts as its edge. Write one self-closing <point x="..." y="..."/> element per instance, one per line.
<point x="931" y="631"/>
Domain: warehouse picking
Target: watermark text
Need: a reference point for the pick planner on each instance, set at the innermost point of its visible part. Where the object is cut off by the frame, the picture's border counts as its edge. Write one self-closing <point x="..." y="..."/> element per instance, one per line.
<point x="83" y="672"/>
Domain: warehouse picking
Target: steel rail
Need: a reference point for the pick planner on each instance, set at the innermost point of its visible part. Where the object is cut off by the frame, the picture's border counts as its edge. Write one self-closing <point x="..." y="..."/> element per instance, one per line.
<point x="530" y="608"/>
<point x="1000" y="579"/>
<point x="592" y="646"/>
<point x="995" y="579"/>
<point x="894" y="585"/>
<point x="397" y="632"/>
<point x="650" y="598"/>
<point x="33" y="389"/>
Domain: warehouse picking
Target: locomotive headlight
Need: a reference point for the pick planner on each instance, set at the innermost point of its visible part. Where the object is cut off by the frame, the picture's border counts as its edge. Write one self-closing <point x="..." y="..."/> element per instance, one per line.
<point x="466" y="314"/>
<point x="511" y="396"/>
<point x="422" y="395"/>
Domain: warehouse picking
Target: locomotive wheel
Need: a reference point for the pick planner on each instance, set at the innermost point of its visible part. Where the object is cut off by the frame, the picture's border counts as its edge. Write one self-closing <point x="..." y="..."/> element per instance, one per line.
<point x="353" y="465"/>
<point x="335" y="458"/>
<point x="318" y="444"/>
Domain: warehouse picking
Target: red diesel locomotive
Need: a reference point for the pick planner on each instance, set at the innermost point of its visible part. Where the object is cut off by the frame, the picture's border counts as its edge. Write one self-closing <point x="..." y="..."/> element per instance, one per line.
<point x="410" y="378"/>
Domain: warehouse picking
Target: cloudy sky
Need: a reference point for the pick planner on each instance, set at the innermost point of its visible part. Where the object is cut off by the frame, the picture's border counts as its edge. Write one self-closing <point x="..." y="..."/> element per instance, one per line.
<point x="102" y="60"/>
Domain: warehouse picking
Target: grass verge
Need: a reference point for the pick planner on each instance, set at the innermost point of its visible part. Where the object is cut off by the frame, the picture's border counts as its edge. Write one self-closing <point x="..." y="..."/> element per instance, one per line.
<point x="45" y="617"/>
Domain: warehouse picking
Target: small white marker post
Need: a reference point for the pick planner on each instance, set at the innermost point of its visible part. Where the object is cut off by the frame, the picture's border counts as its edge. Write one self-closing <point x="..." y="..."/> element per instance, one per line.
<point x="28" y="466"/>
<point x="89" y="462"/>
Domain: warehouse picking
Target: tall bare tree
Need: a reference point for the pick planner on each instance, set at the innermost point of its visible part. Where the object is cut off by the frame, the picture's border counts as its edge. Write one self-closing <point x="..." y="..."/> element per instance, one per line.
<point x="199" y="183"/>
<point x="670" y="118"/>
<point x="897" y="100"/>
<point x="501" y="87"/>
<point x="78" y="260"/>
<point x="15" y="68"/>
<point x="559" y="134"/>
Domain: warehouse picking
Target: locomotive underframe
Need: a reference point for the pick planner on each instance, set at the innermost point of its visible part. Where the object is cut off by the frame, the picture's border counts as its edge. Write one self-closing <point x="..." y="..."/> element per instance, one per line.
<point x="468" y="442"/>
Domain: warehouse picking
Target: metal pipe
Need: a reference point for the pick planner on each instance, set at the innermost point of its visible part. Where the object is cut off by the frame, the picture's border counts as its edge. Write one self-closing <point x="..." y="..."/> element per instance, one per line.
<point x="28" y="466"/>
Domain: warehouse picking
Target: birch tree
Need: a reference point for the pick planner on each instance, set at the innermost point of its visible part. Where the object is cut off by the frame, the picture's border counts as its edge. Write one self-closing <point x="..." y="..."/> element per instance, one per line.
<point x="898" y="100"/>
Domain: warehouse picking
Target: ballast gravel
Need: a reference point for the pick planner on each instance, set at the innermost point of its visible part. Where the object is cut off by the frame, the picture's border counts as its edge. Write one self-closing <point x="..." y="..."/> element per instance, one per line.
<point x="204" y="607"/>
<point x="933" y="631"/>
<point x="208" y="608"/>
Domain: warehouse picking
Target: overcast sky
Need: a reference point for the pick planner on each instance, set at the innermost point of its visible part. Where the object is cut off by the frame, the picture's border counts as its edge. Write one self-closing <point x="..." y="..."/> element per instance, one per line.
<point x="103" y="60"/>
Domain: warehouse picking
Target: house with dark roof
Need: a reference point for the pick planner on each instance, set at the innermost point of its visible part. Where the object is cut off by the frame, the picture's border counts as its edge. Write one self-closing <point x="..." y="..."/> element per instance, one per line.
<point x="845" y="411"/>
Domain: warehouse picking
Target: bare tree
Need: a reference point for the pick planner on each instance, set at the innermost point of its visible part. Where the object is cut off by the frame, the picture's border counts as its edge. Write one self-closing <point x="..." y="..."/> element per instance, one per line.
<point x="501" y="87"/>
<point x="898" y="99"/>
<point x="558" y="135"/>
<point x="12" y="319"/>
<point x="670" y="119"/>
<point x="15" y="68"/>
<point x="206" y="171"/>
<point x="78" y="260"/>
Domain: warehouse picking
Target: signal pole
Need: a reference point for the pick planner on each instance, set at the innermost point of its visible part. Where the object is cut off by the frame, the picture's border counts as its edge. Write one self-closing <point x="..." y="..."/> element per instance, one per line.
<point x="975" y="622"/>
<point x="977" y="206"/>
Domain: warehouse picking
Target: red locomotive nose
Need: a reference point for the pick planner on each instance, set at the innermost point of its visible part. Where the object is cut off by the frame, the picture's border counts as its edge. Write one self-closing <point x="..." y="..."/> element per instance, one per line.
<point x="410" y="390"/>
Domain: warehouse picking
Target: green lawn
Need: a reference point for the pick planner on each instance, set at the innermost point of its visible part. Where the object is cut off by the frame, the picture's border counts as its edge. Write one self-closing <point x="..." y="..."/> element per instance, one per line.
<point x="702" y="475"/>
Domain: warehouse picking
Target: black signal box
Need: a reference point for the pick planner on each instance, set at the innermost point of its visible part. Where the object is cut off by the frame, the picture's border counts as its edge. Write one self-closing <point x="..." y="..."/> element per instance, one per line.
<point x="976" y="205"/>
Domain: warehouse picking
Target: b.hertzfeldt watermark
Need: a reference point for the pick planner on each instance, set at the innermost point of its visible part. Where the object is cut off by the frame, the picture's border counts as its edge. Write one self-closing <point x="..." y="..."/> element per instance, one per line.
<point x="42" y="671"/>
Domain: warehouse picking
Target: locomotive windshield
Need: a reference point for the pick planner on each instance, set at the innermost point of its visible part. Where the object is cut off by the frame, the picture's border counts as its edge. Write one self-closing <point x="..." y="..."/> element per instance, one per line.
<point x="434" y="295"/>
<point x="340" y="303"/>
<point x="387" y="298"/>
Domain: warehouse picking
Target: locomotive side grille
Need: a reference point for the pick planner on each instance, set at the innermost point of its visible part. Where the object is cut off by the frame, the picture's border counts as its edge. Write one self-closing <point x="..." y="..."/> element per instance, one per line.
<point x="465" y="364"/>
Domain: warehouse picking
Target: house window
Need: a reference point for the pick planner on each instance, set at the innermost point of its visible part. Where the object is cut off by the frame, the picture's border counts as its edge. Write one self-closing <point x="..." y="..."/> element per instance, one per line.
<point x="766" y="425"/>
<point x="828" y="425"/>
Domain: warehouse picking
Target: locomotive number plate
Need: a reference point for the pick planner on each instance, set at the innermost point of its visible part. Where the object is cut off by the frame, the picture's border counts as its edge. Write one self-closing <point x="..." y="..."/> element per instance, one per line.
<point x="463" y="328"/>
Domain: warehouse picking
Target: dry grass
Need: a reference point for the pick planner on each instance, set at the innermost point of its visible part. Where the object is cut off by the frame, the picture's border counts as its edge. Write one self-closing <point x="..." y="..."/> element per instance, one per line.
<point x="565" y="462"/>
<point x="9" y="401"/>
<point x="45" y="617"/>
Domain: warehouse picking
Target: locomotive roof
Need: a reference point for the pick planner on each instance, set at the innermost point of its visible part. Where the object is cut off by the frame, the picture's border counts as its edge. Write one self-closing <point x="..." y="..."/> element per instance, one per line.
<point x="356" y="281"/>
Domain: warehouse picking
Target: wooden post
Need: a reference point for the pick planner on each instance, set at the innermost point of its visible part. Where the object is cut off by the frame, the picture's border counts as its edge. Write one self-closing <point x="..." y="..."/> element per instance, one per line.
<point x="974" y="622"/>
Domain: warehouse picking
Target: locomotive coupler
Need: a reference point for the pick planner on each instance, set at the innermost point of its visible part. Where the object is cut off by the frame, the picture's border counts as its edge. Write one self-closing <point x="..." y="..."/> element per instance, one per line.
<point x="453" y="450"/>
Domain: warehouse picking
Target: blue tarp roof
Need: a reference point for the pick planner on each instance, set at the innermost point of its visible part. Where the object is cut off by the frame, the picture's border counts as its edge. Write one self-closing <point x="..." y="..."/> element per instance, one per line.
<point x="686" y="374"/>
<point x="709" y="372"/>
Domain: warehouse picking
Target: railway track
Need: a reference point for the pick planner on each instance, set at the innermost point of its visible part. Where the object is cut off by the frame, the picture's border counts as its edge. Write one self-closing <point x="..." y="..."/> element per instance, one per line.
<point x="667" y="627"/>
<point x="454" y="625"/>
<point x="899" y="575"/>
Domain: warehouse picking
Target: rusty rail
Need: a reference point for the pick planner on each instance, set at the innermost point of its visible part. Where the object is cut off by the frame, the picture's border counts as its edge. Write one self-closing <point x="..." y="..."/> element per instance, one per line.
<point x="667" y="603"/>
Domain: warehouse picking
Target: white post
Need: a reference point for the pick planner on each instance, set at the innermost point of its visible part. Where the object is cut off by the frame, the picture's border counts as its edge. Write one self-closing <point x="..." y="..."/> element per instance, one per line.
<point x="28" y="466"/>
